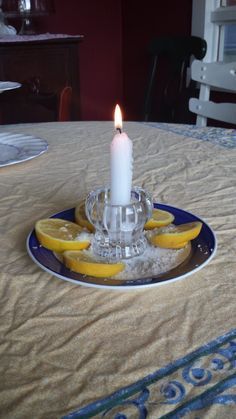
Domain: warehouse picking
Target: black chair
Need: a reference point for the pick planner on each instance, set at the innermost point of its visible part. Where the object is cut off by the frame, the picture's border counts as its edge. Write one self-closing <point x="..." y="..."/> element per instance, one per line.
<point x="170" y="58"/>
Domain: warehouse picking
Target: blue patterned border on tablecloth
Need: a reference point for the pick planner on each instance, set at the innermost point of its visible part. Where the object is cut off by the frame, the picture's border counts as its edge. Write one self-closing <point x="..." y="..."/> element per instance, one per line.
<point x="200" y="379"/>
<point x="223" y="137"/>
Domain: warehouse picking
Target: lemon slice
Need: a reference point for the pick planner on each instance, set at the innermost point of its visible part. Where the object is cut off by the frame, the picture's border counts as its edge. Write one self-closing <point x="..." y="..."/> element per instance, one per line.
<point x="83" y="263"/>
<point x="59" y="235"/>
<point x="159" y="218"/>
<point x="173" y="245"/>
<point x="176" y="237"/>
<point x="81" y="218"/>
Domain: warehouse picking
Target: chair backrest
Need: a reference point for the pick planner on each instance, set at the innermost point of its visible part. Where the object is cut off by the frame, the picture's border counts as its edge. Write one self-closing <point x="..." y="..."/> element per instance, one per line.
<point x="216" y="74"/>
<point x="177" y="51"/>
<point x="64" y="104"/>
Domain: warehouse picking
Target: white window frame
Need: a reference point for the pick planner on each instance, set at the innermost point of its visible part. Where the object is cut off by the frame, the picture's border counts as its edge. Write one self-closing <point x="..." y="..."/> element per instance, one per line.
<point x="203" y="26"/>
<point x="208" y="18"/>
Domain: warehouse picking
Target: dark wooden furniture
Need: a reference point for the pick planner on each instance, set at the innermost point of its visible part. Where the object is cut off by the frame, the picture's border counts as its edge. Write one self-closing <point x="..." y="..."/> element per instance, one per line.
<point x="166" y="96"/>
<point x="44" y="67"/>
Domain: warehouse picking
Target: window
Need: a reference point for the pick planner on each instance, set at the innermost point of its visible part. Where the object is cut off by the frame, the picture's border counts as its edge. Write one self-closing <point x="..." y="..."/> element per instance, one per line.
<point x="215" y="20"/>
<point x="229" y="46"/>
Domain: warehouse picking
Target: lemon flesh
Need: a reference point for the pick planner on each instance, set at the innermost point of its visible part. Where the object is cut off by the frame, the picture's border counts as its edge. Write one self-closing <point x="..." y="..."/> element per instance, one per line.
<point x="81" y="218"/>
<point x="82" y="263"/>
<point x="59" y="235"/>
<point x="159" y="218"/>
<point x="178" y="236"/>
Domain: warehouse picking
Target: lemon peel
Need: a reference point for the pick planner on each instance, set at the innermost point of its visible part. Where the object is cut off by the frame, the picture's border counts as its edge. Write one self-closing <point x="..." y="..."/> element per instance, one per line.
<point x="81" y="217"/>
<point x="59" y="235"/>
<point x="159" y="218"/>
<point x="177" y="237"/>
<point x="81" y="262"/>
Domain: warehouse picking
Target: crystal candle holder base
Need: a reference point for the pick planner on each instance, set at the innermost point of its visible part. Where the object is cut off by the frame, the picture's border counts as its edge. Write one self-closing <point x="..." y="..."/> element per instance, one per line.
<point x="118" y="228"/>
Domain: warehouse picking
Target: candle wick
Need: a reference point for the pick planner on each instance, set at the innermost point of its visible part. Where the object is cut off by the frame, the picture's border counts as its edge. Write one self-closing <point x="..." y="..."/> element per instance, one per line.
<point x="119" y="129"/>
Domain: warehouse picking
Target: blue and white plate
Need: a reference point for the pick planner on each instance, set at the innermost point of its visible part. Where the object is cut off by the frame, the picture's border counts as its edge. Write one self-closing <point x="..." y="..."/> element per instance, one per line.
<point x="16" y="148"/>
<point x="8" y="85"/>
<point x="203" y="250"/>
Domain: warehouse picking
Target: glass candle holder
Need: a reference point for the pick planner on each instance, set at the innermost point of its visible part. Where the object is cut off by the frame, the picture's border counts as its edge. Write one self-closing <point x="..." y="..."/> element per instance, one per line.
<point x="118" y="228"/>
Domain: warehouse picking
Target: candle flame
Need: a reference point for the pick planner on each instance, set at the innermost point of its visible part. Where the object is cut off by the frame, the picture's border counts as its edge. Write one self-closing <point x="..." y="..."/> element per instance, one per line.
<point x="118" y="118"/>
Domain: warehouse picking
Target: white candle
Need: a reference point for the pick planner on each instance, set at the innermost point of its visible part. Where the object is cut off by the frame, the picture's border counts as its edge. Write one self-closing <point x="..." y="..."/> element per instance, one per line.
<point x="121" y="164"/>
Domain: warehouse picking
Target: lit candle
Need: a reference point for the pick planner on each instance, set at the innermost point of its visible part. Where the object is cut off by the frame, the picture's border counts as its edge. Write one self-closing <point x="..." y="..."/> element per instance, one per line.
<point x="121" y="164"/>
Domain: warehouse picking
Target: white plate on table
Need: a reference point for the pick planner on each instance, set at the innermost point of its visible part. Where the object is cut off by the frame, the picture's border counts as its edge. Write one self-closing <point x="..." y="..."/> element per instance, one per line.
<point x="17" y="148"/>
<point x="8" y="85"/>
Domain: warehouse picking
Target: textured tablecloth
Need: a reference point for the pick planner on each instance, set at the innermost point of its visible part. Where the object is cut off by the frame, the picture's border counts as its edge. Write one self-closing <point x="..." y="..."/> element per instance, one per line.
<point x="167" y="351"/>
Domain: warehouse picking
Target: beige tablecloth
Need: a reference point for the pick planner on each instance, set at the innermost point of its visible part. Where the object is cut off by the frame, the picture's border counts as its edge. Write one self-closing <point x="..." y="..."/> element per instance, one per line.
<point x="65" y="346"/>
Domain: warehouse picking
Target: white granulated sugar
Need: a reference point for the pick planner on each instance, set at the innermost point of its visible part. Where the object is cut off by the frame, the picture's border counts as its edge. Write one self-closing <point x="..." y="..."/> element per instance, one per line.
<point x="154" y="261"/>
<point x="84" y="236"/>
<point x="63" y="229"/>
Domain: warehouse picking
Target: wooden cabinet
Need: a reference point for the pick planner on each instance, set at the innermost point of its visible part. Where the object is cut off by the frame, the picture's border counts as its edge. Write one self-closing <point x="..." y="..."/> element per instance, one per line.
<point x="44" y="67"/>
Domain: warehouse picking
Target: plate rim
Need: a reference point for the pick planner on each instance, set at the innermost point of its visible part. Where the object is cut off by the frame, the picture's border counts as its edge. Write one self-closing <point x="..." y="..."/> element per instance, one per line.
<point x="131" y="286"/>
<point x="42" y="142"/>
<point x="14" y="85"/>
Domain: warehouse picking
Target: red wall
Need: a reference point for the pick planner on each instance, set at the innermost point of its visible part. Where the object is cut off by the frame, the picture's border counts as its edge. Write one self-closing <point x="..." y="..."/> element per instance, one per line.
<point x="139" y="25"/>
<point x="113" y="57"/>
<point x="100" y="51"/>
